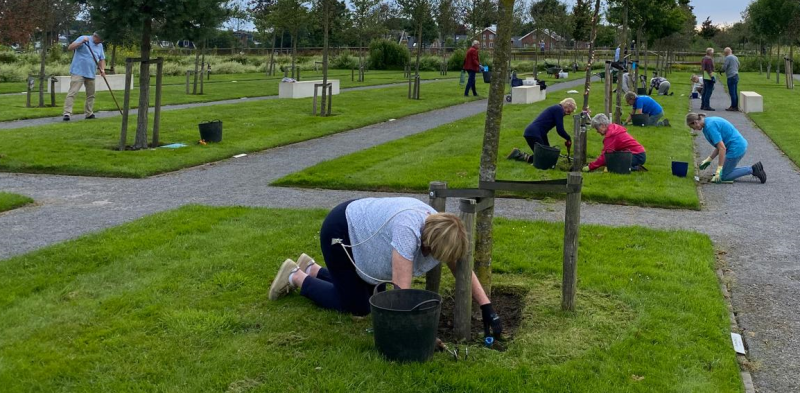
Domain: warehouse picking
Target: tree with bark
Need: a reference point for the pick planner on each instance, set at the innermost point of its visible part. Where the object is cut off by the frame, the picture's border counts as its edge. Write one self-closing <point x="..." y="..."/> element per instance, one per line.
<point x="491" y="140"/>
<point x="149" y="18"/>
<point x="261" y="10"/>
<point x="367" y="24"/>
<point x="418" y="11"/>
<point x="707" y="29"/>
<point x="291" y="16"/>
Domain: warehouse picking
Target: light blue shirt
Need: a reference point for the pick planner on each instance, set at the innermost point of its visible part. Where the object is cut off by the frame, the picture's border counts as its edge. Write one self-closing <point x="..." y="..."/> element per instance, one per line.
<point x="379" y="225"/>
<point x="82" y="62"/>
<point x="616" y="55"/>
<point x="717" y="129"/>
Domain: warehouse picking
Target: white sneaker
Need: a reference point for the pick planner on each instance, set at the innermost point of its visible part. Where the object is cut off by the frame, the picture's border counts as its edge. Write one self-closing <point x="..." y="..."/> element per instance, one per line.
<point x="281" y="285"/>
<point x="304" y="261"/>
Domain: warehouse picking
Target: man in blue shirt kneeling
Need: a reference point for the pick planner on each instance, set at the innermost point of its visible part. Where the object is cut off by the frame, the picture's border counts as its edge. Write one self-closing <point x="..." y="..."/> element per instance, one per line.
<point x="648" y="106"/>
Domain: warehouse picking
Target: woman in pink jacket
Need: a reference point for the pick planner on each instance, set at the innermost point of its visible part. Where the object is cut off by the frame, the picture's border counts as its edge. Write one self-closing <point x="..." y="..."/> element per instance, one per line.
<point x="616" y="138"/>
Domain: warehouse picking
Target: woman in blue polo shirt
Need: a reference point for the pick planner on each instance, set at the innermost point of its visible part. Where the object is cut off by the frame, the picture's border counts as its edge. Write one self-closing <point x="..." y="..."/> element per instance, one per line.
<point x="729" y="145"/>
<point x="648" y="106"/>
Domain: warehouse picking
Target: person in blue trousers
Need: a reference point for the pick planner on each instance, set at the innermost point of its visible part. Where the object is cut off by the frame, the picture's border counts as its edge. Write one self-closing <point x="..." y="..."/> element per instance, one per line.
<point x="731" y="69"/>
<point x="729" y="147"/>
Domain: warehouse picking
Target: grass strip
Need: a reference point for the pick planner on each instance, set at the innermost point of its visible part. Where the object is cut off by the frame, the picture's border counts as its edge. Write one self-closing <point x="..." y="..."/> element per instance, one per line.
<point x="86" y="147"/>
<point x="779" y="104"/>
<point x="178" y="302"/>
<point x="451" y="153"/>
<point x="10" y="201"/>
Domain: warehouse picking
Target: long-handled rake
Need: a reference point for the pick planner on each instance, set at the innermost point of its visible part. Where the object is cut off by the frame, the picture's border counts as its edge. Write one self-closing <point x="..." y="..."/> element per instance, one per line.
<point x="104" y="77"/>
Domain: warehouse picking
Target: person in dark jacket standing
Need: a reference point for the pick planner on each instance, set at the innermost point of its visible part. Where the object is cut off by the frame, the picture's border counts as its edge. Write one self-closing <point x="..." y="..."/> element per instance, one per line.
<point x="536" y="132"/>
<point x="472" y="65"/>
<point x="709" y="79"/>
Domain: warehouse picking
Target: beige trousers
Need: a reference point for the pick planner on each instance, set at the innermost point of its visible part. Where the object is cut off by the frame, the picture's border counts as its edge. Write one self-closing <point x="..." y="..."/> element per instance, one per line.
<point x="75" y="83"/>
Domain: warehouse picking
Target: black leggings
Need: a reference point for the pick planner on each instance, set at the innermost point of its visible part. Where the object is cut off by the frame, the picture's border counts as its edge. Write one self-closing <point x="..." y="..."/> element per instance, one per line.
<point x="337" y="286"/>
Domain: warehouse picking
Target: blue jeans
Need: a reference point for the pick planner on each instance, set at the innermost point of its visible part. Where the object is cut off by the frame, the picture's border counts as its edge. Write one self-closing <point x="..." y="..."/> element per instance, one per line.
<point x="337" y="286"/>
<point x="708" y="88"/>
<point x="470" y="83"/>
<point x="730" y="171"/>
<point x="733" y="90"/>
<point x="637" y="160"/>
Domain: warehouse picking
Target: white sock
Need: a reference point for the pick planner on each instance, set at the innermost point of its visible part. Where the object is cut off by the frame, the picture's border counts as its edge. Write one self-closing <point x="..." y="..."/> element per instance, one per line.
<point x="308" y="268"/>
<point x="291" y="283"/>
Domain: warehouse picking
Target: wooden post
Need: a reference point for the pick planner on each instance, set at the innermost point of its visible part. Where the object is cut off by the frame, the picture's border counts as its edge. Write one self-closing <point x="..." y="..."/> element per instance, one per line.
<point x="298" y="74"/>
<point x="187" y="81"/>
<point x="157" y="114"/>
<point x="462" y="313"/>
<point x="576" y="143"/>
<point x="31" y="82"/>
<point x="202" y="72"/>
<point x="609" y="80"/>
<point x="572" y="221"/>
<point x="126" y="104"/>
<point x="53" y="91"/>
<point x="434" y="277"/>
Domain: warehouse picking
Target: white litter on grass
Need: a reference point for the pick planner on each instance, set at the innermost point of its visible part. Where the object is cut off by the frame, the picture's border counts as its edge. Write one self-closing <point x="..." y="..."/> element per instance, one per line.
<point x="173" y="146"/>
<point x="738" y="344"/>
<point x="392" y="119"/>
<point x="243" y="98"/>
<point x="239" y="155"/>
<point x="572" y="92"/>
<point x="697" y="178"/>
<point x="234" y="81"/>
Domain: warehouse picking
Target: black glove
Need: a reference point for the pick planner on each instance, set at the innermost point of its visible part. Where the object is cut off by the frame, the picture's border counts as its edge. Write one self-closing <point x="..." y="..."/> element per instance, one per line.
<point x="490" y="319"/>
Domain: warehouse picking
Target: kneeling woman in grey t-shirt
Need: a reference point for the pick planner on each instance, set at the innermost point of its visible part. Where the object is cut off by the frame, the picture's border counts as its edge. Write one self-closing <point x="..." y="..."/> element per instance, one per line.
<point x="372" y="240"/>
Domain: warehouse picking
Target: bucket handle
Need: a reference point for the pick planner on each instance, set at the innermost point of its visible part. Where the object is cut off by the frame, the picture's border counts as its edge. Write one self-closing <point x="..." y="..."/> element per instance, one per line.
<point x="383" y="284"/>
<point x="211" y="121"/>
<point x="416" y="308"/>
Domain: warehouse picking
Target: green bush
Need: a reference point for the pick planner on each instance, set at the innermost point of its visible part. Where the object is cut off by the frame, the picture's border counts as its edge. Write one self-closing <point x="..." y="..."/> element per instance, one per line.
<point x="345" y="61"/>
<point x="456" y="60"/>
<point x="386" y="55"/>
<point x="8" y="57"/>
<point x="430" y="63"/>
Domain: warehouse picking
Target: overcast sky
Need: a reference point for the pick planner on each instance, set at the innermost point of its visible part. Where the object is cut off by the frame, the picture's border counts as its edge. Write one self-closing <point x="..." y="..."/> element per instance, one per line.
<point x="720" y="11"/>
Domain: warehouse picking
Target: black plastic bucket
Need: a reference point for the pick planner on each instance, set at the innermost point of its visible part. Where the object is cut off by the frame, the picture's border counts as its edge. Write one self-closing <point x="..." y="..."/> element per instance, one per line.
<point x="619" y="162"/>
<point x="405" y="322"/>
<point x="545" y="157"/>
<point x="642" y="91"/>
<point x="211" y="131"/>
<point x="487" y="76"/>
<point x="640" y="119"/>
<point x="680" y="168"/>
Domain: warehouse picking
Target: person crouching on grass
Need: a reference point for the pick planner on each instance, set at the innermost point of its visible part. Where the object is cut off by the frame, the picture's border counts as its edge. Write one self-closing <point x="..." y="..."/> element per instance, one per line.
<point x="536" y="132"/>
<point x="372" y="240"/>
<point x="729" y="145"/>
<point x="616" y="138"/>
<point x="647" y="106"/>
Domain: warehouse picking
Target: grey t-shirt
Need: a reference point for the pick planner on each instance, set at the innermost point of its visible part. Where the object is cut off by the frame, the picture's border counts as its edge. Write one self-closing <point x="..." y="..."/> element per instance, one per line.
<point x="396" y="224"/>
<point x="731" y="66"/>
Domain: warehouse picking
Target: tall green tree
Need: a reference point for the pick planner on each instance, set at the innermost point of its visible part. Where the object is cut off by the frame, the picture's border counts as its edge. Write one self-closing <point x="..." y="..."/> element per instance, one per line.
<point x="418" y="11"/>
<point x="147" y="19"/>
<point x="707" y="29"/>
<point x="291" y="16"/>
<point x="366" y="22"/>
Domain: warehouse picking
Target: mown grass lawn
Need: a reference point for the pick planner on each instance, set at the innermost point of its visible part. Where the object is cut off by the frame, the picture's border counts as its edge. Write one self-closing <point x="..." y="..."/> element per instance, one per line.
<point x="221" y="87"/>
<point x="178" y="302"/>
<point x="778" y="120"/>
<point x="451" y="153"/>
<point x="10" y="201"/>
<point x="86" y="147"/>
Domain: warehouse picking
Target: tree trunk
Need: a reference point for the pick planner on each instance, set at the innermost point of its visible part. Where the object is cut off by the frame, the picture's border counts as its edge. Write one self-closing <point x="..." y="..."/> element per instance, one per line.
<point x="618" y="111"/>
<point x="419" y="47"/>
<point x="294" y="51"/>
<point x="271" y="66"/>
<point x="144" y="88"/>
<point x="196" y="68"/>
<point x="778" y="65"/>
<point x="590" y="58"/>
<point x="42" y="63"/>
<point x="113" y="58"/>
<point x="325" y="24"/>
<point x="491" y="140"/>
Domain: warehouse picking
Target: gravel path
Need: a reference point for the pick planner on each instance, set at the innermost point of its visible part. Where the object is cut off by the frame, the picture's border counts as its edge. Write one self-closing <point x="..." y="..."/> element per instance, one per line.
<point x="10" y="125"/>
<point x="754" y="223"/>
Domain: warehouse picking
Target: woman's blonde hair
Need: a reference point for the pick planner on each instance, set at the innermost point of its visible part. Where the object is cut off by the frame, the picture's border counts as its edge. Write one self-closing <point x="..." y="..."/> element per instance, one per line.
<point x="570" y="102"/>
<point x="693" y="117"/>
<point x="446" y="236"/>
<point x="630" y="96"/>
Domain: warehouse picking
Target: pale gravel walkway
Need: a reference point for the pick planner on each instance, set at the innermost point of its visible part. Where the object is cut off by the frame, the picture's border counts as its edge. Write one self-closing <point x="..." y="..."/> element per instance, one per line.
<point x="754" y="223"/>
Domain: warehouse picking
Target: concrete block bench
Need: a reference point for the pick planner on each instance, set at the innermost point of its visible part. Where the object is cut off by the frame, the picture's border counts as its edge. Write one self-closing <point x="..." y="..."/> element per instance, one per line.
<point x="304" y="89"/>
<point x="750" y="101"/>
<point x="526" y="94"/>
<point x="117" y="82"/>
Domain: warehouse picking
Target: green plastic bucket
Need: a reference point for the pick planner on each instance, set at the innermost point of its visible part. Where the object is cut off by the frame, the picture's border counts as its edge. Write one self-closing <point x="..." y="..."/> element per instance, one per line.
<point x="405" y="322"/>
<point x="619" y="162"/>
<point x="545" y="157"/>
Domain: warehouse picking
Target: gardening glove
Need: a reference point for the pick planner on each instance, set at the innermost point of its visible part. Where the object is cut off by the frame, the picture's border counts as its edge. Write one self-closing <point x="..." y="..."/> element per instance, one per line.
<point x="490" y="319"/>
<point x="705" y="163"/>
<point x="568" y="144"/>
<point x="717" y="178"/>
<point x="585" y="168"/>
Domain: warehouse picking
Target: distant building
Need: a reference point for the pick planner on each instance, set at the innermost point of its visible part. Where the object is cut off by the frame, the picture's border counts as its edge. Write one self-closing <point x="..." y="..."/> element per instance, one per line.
<point x="487" y="37"/>
<point x="535" y="37"/>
